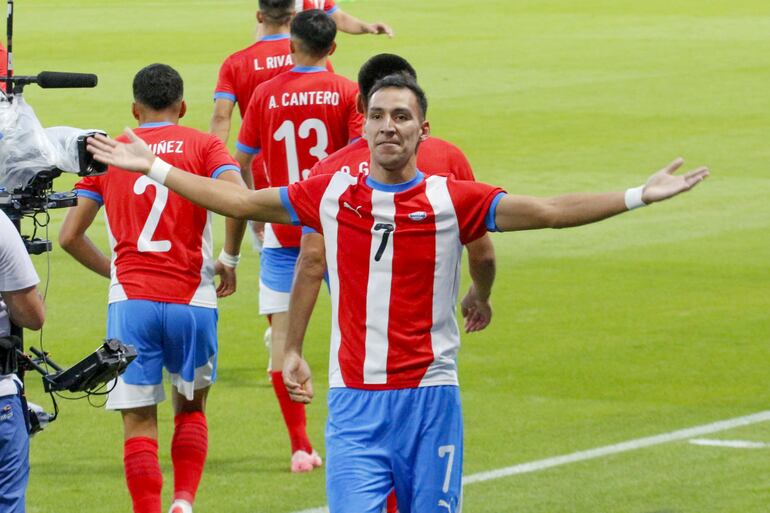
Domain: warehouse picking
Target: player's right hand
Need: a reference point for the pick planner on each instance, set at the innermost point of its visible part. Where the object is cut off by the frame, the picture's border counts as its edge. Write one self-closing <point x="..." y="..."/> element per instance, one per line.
<point x="227" y="279"/>
<point x="296" y="377"/>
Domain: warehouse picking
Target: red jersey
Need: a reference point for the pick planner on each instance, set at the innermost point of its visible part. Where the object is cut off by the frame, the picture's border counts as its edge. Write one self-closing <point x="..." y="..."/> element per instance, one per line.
<point x="295" y="120"/>
<point x="434" y="157"/>
<point x="400" y="246"/>
<point x="244" y="70"/>
<point x="161" y="243"/>
<point x="325" y="5"/>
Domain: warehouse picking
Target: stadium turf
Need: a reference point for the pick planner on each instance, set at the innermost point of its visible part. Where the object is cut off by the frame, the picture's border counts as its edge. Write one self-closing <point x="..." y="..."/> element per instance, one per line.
<point x="643" y="325"/>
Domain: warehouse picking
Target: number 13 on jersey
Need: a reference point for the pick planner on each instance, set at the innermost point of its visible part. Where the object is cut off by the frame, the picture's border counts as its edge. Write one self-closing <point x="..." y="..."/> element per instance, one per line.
<point x="287" y="133"/>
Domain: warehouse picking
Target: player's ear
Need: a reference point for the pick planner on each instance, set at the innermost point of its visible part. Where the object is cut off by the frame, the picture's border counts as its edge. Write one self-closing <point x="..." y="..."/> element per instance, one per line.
<point x="135" y="111"/>
<point x="292" y="48"/>
<point x="360" y="104"/>
<point x="183" y="109"/>
<point x="260" y="17"/>
<point x="333" y="47"/>
<point x="424" y="130"/>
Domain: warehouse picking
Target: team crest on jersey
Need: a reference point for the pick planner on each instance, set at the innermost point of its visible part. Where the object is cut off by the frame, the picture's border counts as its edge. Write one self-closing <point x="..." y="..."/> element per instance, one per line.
<point x="7" y="413"/>
<point x="418" y="216"/>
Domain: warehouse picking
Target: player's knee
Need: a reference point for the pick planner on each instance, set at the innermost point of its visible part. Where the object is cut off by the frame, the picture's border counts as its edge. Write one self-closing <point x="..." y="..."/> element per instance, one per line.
<point x="311" y="263"/>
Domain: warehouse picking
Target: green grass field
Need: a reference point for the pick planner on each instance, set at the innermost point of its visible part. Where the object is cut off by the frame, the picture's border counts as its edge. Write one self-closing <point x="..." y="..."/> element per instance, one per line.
<point x="643" y="325"/>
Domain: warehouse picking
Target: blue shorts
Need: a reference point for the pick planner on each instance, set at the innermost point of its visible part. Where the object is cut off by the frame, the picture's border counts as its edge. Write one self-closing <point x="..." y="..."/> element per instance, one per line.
<point x="276" y="275"/>
<point x="14" y="454"/>
<point x="180" y="338"/>
<point x="410" y="439"/>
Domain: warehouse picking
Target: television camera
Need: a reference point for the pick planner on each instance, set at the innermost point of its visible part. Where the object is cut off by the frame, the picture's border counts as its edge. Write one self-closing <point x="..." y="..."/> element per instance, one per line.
<point x="31" y="157"/>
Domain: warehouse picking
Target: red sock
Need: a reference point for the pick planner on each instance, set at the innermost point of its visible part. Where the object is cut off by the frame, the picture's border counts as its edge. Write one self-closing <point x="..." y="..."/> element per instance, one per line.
<point x="392" y="505"/>
<point x="293" y="415"/>
<point x="188" y="453"/>
<point x="143" y="477"/>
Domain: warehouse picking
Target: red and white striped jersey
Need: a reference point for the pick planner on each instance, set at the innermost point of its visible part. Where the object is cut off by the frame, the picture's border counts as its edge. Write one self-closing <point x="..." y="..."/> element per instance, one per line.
<point x="434" y="157"/>
<point x="161" y="243"/>
<point x="393" y="255"/>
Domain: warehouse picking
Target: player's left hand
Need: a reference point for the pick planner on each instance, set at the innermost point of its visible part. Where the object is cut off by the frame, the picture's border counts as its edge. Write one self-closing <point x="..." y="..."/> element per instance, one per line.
<point x="134" y="155"/>
<point x="227" y="279"/>
<point x="380" y="28"/>
<point x="477" y="312"/>
<point x="664" y="184"/>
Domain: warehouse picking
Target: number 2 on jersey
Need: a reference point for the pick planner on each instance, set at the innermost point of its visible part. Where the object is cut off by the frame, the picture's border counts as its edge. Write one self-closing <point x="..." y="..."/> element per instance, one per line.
<point x="145" y="242"/>
<point x="285" y="133"/>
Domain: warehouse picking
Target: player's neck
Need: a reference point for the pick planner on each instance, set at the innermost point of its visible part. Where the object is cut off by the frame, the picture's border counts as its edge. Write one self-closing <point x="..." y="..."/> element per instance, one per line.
<point x="158" y="117"/>
<point x="265" y="30"/>
<point x="393" y="176"/>
<point x="301" y="59"/>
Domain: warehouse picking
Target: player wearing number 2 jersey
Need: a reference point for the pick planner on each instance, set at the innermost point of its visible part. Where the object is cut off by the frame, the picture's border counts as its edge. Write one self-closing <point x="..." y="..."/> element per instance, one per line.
<point x="293" y="121"/>
<point x="162" y="297"/>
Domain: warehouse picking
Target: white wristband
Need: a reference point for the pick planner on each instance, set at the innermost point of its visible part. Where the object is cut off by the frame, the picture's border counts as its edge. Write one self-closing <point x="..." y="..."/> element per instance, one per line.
<point x="228" y="259"/>
<point x="159" y="170"/>
<point x="634" y="198"/>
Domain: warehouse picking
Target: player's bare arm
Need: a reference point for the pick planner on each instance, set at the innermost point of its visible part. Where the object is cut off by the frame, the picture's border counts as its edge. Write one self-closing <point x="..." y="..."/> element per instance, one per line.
<point x="220" y="119"/>
<point x="218" y="196"/>
<point x="476" y="307"/>
<point x="529" y="213"/>
<point x="244" y="160"/>
<point x="234" y="230"/>
<point x="73" y="238"/>
<point x="311" y="265"/>
<point x="352" y="25"/>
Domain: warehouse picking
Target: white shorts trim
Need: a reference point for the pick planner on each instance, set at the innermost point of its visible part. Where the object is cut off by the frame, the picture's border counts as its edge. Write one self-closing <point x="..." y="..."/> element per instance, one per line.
<point x="125" y="396"/>
<point x="271" y="301"/>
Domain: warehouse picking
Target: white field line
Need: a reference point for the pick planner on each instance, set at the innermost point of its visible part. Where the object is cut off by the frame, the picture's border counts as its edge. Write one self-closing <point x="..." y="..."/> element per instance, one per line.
<point x="607" y="450"/>
<point x="730" y="444"/>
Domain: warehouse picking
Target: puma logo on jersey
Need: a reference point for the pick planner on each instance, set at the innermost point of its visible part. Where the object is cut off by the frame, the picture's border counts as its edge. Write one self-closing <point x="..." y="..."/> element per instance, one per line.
<point x="347" y="205"/>
<point x="418" y="216"/>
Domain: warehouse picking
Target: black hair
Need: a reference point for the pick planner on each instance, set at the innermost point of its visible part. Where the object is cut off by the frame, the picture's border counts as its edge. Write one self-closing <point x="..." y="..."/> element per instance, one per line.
<point x="276" y="12"/>
<point x="379" y="67"/>
<point x="401" y="81"/>
<point x="314" y="31"/>
<point x="158" y="86"/>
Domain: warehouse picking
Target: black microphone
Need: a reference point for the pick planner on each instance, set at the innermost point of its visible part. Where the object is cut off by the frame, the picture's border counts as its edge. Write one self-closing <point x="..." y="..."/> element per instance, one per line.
<point x="60" y="80"/>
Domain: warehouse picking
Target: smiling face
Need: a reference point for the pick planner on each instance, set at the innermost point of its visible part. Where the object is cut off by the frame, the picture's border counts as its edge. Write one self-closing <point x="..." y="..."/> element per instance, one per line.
<point x="394" y="128"/>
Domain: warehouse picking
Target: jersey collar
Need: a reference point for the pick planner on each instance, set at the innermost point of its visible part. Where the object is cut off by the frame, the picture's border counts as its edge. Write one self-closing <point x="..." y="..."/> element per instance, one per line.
<point x="395" y="187"/>
<point x="156" y="124"/>
<point x="274" y="37"/>
<point x="308" y="69"/>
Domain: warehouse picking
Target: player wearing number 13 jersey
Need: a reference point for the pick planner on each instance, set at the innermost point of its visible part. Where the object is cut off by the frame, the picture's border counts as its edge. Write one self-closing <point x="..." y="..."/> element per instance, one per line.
<point x="162" y="297"/>
<point x="294" y="121"/>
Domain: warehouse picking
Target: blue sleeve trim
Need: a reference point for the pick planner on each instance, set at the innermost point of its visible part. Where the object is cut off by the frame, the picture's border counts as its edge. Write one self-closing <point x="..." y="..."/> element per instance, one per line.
<point x="90" y="195"/>
<point x="227" y="167"/>
<point x="247" y="149"/>
<point x="355" y="139"/>
<point x="284" y="192"/>
<point x="306" y="230"/>
<point x="489" y="219"/>
<point x="332" y="10"/>
<point x="224" y="96"/>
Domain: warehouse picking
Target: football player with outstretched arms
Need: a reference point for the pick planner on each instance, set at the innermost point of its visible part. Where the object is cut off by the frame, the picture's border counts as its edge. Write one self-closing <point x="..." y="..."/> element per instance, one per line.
<point x="293" y="121"/>
<point x="162" y="297"/>
<point x="434" y="156"/>
<point x="394" y="338"/>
